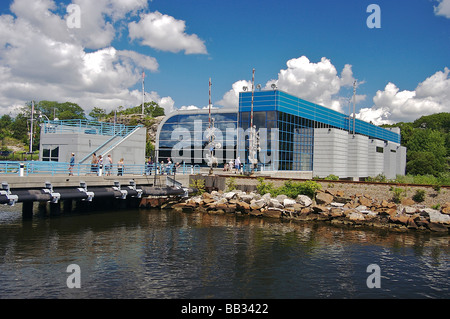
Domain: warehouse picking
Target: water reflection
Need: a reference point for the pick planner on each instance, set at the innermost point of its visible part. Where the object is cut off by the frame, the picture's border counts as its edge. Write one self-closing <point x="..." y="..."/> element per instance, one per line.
<point x="165" y="254"/>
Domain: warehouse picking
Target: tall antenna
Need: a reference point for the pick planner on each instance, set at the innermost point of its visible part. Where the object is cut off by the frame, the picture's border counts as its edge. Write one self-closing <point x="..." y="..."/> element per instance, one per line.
<point x="143" y="92"/>
<point x="209" y="105"/>
<point x="210" y="135"/>
<point x="354" y="103"/>
<point x="253" y="139"/>
<point x="253" y="90"/>
<point x="31" y="128"/>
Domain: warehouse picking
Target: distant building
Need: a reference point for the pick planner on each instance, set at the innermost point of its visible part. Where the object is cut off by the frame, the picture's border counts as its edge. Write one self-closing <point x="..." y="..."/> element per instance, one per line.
<point x="297" y="138"/>
<point x="60" y="138"/>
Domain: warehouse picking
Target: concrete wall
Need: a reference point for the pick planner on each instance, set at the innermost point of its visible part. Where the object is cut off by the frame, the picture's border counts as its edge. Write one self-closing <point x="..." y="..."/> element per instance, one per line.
<point x="132" y="148"/>
<point x="375" y="157"/>
<point x="390" y="160"/>
<point x="338" y="153"/>
<point x="358" y="156"/>
<point x="330" y="152"/>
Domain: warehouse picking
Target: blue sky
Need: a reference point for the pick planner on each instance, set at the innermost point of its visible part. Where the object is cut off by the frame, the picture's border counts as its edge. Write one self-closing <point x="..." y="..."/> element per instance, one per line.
<point x="302" y="46"/>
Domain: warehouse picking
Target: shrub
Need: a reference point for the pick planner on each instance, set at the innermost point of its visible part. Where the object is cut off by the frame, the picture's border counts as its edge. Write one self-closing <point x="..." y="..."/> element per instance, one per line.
<point x="437" y="188"/>
<point x="264" y="187"/>
<point x="290" y="188"/>
<point x="379" y="178"/>
<point x="198" y="185"/>
<point x="398" y="194"/>
<point x="231" y="184"/>
<point x="419" y="196"/>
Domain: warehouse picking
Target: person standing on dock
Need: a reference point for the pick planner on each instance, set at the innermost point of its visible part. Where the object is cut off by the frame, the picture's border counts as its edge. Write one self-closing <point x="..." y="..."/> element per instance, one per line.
<point x="94" y="164"/>
<point x="71" y="164"/>
<point x="100" y="165"/>
<point x="237" y="164"/>
<point x="109" y="164"/>
<point x="120" y="167"/>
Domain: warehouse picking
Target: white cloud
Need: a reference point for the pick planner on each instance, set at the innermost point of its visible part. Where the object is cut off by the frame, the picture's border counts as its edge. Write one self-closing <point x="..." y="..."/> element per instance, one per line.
<point x="188" y="107"/>
<point x="392" y="105"/>
<point x="98" y="19"/>
<point x="231" y="98"/>
<point x="164" y="32"/>
<point x="43" y="59"/>
<point x="315" y="82"/>
<point x="167" y="103"/>
<point x="443" y="9"/>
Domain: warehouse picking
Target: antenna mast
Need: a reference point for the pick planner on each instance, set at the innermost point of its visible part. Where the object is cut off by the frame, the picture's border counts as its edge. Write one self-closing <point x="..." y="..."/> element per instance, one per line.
<point x="253" y="90"/>
<point x="210" y="135"/>
<point x="209" y="105"/>
<point x="253" y="138"/>
<point x="143" y="92"/>
<point x="354" y="102"/>
<point x="31" y="128"/>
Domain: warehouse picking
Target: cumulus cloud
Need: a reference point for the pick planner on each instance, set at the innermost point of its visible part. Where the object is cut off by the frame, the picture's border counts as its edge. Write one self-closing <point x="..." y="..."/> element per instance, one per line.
<point x="443" y="9"/>
<point x="231" y="98"/>
<point x="164" y="32"/>
<point x="393" y="105"/>
<point x="44" y="59"/>
<point x="98" y="18"/>
<point x="316" y="82"/>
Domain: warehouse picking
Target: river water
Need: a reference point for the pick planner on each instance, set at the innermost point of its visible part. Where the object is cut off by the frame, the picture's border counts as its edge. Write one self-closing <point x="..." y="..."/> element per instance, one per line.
<point x="170" y="255"/>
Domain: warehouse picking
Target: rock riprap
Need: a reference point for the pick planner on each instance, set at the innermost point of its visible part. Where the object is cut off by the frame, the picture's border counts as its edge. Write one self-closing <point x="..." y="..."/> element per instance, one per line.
<point x="332" y="206"/>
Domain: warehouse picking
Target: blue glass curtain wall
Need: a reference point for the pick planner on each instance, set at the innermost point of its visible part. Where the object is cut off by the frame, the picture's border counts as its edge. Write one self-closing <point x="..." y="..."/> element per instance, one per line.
<point x="325" y="117"/>
<point x="182" y="137"/>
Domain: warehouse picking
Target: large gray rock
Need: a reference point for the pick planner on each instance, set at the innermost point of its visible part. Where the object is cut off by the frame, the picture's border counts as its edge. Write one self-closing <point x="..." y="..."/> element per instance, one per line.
<point x="304" y="200"/>
<point x="436" y="216"/>
<point x="229" y="195"/>
<point x="281" y="198"/>
<point x="287" y="202"/>
<point x="273" y="202"/>
<point x="245" y="198"/>
<point x="257" y="204"/>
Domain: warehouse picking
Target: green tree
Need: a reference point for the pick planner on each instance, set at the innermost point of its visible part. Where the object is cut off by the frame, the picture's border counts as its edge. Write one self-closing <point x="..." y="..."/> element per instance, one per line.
<point x="20" y="128"/>
<point x="426" y="152"/>
<point x="97" y="113"/>
<point x="437" y="121"/>
<point x="158" y="111"/>
<point x="62" y="111"/>
<point x="424" y="163"/>
<point x="6" y="122"/>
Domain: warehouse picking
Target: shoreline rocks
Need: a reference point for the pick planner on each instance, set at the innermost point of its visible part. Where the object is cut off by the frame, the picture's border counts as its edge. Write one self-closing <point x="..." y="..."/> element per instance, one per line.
<point x="329" y="206"/>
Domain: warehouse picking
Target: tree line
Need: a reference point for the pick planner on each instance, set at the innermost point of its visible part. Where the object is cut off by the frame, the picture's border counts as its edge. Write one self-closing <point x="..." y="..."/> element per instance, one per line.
<point x="427" y="140"/>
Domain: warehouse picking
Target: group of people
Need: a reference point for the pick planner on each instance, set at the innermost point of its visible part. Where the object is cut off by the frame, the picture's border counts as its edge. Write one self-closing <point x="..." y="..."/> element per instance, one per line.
<point x="236" y="165"/>
<point x="162" y="168"/>
<point x="97" y="165"/>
